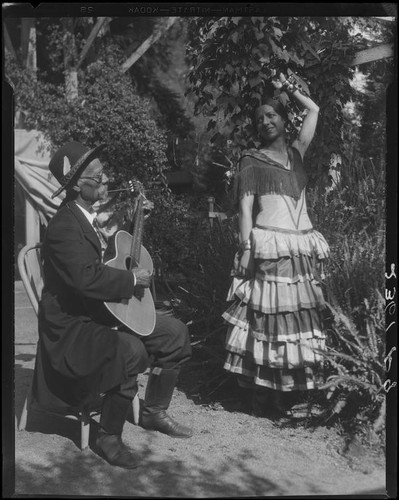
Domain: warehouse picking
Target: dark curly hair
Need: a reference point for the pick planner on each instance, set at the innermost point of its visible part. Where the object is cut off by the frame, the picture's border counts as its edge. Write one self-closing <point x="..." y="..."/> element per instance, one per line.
<point x="276" y="104"/>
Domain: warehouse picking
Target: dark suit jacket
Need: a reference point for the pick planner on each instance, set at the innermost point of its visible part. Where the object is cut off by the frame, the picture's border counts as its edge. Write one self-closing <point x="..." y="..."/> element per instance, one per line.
<point x="78" y="356"/>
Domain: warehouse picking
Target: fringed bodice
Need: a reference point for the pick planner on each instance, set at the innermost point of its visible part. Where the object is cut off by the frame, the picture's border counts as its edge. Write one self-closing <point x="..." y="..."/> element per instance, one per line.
<point x="259" y="174"/>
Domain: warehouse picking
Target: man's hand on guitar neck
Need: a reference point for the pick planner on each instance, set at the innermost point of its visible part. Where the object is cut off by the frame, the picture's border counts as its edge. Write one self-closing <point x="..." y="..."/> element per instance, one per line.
<point x="148" y="207"/>
<point x="143" y="280"/>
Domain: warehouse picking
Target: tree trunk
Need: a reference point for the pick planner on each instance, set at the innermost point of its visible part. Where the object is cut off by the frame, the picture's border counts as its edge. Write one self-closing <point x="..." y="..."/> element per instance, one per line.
<point x="70" y="57"/>
<point x="28" y="44"/>
<point x="71" y="84"/>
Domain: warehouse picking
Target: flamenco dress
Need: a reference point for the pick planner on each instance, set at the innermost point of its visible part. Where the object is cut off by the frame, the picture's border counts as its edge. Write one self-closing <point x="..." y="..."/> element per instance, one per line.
<point x="275" y="336"/>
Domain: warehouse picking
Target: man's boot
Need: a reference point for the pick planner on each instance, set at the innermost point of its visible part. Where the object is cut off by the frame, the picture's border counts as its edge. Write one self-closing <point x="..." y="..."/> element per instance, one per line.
<point x="109" y="440"/>
<point x="160" y="386"/>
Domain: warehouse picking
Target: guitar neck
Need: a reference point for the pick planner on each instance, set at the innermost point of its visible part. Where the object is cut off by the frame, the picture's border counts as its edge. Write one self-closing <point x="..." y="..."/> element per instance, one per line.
<point x="137" y="233"/>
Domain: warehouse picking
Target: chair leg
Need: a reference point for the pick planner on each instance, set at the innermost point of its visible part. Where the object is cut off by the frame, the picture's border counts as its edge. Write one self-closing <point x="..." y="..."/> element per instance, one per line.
<point x="136" y="409"/>
<point x="84" y="430"/>
<point x="24" y="415"/>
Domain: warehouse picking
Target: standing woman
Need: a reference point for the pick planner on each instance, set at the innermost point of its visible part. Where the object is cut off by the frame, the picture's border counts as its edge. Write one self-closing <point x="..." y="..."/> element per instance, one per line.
<point x="274" y="321"/>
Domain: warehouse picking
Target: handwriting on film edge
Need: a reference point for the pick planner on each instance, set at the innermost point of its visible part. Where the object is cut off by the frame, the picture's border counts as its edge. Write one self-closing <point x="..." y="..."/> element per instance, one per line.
<point x="390" y="308"/>
<point x="189" y="10"/>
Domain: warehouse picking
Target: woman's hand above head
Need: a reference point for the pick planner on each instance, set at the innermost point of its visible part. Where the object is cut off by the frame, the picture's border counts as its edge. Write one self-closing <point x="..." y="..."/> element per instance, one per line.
<point x="278" y="82"/>
<point x="291" y="87"/>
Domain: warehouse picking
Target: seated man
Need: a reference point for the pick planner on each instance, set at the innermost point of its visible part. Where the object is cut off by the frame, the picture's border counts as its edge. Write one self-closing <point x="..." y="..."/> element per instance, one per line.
<point x="80" y="355"/>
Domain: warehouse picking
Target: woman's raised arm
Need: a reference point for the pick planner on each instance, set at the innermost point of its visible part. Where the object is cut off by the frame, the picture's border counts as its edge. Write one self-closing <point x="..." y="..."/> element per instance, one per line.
<point x="308" y="128"/>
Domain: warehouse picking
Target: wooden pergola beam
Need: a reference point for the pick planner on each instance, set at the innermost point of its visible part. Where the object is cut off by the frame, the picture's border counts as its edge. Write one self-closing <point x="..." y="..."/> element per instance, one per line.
<point x="383" y="51"/>
<point x="373" y="54"/>
<point x="101" y="21"/>
<point x="147" y="44"/>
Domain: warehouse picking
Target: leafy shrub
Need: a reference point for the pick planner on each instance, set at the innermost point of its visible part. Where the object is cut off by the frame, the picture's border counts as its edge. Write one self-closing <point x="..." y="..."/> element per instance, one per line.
<point x="356" y="372"/>
<point x="234" y="58"/>
<point x="352" y="218"/>
<point x="195" y="257"/>
<point x="107" y="110"/>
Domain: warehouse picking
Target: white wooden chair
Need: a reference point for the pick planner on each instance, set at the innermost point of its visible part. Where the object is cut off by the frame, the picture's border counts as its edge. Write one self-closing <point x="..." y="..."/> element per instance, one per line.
<point x="31" y="272"/>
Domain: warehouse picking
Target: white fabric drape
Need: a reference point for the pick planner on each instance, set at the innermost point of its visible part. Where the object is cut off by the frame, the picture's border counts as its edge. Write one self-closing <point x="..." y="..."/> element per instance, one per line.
<point x="32" y="157"/>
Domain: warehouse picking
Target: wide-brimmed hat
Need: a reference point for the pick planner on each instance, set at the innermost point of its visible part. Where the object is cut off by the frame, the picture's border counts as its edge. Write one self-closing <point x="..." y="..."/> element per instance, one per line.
<point x="70" y="160"/>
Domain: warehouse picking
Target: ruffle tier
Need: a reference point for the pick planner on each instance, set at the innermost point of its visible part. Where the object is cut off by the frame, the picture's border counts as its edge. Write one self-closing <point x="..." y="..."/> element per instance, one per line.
<point x="287" y="327"/>
<point x="305" y="351"/>
<point x="271" y="297"/>
<point x="275" y="243"/>
<point x="300" y="379"/>
<point x="288" y="269"/>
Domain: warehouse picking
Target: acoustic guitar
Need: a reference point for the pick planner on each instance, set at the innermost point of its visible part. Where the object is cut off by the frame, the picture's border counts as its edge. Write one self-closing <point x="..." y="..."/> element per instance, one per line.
<point x="138" y="312"/>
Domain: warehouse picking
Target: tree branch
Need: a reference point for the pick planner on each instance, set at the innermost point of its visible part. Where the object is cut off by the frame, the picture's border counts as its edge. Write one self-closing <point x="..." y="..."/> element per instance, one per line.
<point x="147" y="44"/>
<point x="101" y="21"/>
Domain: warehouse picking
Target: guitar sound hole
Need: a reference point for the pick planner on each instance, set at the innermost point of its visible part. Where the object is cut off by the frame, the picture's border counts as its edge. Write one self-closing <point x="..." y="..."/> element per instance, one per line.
<point x="129" y="261"/>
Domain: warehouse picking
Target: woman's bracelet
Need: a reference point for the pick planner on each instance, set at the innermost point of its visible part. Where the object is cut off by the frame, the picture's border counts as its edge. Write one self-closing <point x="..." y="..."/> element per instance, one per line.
<point x="245" y="245"/>
<point x="289" y="86"/>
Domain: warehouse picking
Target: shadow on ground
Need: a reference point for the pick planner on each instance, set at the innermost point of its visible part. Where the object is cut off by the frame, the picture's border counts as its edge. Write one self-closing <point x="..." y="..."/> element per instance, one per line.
<point x="156" y="477"/>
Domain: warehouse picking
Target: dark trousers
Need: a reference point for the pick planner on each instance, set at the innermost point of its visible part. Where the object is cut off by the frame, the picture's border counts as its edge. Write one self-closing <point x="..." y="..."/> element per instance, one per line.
<point x="168" y="346"/>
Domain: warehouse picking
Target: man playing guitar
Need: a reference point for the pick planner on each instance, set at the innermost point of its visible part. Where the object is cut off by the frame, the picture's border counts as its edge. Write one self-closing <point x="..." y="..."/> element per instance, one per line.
<point x="80" y="357"/>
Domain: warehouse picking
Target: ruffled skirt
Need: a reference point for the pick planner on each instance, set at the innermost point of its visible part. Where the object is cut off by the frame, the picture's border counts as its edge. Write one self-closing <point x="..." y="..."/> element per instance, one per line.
<point x="275" y="335"/>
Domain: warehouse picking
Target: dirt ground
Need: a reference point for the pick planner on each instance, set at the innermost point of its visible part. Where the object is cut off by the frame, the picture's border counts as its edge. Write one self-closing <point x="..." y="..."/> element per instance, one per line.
<point x="232" y="454"/>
